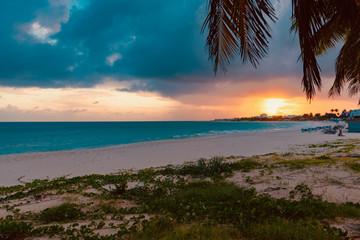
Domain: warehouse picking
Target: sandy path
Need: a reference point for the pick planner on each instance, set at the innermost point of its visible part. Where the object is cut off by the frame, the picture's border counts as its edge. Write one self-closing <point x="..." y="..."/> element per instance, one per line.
<point x="156" y="153"/>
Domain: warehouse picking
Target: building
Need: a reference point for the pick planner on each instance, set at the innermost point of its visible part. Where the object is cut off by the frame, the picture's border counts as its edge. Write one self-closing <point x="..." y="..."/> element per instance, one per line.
<point x="354" y="125"/>
<point x="354" y="113"/>
<point x="344" y="113"/>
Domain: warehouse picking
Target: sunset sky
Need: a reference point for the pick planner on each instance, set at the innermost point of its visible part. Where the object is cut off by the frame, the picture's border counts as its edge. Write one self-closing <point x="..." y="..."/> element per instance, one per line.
<point x="106" y="60"/>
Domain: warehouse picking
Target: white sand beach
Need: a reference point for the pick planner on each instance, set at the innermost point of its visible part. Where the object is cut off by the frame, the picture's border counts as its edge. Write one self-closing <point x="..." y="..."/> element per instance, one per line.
<point x="329" y="178"/>
<point x="151" y="154"/>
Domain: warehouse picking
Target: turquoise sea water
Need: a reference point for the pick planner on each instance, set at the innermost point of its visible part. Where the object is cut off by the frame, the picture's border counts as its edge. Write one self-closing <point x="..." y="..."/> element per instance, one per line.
<point x="21" y="137"/>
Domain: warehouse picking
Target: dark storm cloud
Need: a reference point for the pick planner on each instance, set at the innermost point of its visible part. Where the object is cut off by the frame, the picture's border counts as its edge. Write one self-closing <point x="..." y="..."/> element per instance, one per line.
<point x="155" y="39"/>
<point x="157" y="44"/>
<point x="23" y="61"/>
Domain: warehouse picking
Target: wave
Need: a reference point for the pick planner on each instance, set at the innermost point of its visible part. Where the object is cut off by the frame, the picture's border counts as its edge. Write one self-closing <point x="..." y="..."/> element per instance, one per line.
<point x="278" y="127"/>
<point x="42" y="136"/>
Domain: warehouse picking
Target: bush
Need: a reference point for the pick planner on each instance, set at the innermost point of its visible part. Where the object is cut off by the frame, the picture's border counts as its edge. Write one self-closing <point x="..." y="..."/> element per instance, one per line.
<point x="64" y="212"/>
<point x="12" y="230"/>
<point x="282" y="229"/>
<point x="226" y="203"/>
<point x="215" y="167"/>
<point x="164" y="228"/>
<point x="353" y="166"/>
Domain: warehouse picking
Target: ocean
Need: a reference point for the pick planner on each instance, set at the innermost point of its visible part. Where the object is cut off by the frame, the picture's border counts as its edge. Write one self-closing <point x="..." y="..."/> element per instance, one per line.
<point x="22" y="137"/>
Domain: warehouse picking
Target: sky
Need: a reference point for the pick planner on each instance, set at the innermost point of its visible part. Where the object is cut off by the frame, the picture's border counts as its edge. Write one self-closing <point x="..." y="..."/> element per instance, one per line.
<point x="139" y="60"/>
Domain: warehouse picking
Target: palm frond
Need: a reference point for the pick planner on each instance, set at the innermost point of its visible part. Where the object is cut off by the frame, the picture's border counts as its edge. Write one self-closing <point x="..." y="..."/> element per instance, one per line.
<point x="351" y="62"/>
<point x="238" y="27"/>
<point x="348" y="67"/>
<point x="241" y="27"/>
<point x="348" y="62"/>
<point x="339" y="17"/>
<point x="222" y="41"/>
<point x="331" y="33"/>
<point x="308" y="18"/>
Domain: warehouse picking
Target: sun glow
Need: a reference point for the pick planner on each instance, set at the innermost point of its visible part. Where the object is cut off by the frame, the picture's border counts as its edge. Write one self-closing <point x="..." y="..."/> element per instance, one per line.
<point x="272" y="105"/>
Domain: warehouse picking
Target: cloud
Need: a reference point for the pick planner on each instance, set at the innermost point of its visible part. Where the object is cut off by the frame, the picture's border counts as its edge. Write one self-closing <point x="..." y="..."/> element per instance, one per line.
<point x="111" y="59"/>
<point x="155" y="44"/>
<point x="123" y="89"/>
<point x="77" y="110"/>
<point x="41" y="33"/>
<point x="14" y="113"/>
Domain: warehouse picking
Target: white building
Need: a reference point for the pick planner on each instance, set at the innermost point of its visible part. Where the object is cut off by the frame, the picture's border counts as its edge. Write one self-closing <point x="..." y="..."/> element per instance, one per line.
<point x="354" y="113"/>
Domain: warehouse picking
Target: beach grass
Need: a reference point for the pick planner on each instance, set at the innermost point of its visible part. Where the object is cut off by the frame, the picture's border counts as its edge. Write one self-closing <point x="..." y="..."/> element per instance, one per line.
<point x="355" y="166"/>
<point x="183" y="208"/>
<point x="196" y="200"/>
<point x="186" y="209"/>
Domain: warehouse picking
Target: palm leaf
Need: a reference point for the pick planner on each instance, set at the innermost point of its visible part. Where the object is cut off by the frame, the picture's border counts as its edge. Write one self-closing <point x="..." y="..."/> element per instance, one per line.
<point x="308" y="17"/>
<point x="348" y="62"/>
<point x="241" y="27"/>
<point x="238" y="27"/>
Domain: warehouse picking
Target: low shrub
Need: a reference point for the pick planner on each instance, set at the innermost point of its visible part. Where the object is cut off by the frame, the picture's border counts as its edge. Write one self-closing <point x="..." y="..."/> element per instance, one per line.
<point x="226" y="203"/>
<point x="64" y="212"/>
<point x="13" y="230"/>
<point x="164" y="228"/>
<point x="282" y="229"/>
<point x="353" y="166"/>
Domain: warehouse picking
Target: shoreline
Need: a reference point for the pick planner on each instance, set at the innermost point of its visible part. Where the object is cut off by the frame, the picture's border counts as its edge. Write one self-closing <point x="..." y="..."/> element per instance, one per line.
<point x="40" y="165"/>
<point x="205" y="134"/>
<point x="201" y="136"/>
<point x="312" y="185"/>
<point x="308" y="179"/>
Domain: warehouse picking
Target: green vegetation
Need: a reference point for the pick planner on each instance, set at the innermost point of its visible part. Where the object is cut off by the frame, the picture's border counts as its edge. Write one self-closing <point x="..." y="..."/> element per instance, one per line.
<point x="215" y="168"/>
<point x="164" y="228"/>
<point x="333" y="181"/>
<point x="326" y="145"/>
<point x="62" y="213"/>
<point x="195" y="210"/>
<point x="282" y="229"/>
<point x="302" y="163"/>
<point x="355" y="166"/>
<point x="345" y="146"/>
<point x="347" y="149"/>
<point x="10" y="229"/>
<point x="190" y="201"/>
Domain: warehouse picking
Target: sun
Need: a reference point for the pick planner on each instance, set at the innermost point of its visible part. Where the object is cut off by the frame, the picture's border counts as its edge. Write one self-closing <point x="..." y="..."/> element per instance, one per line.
<point x="272" y="105"/>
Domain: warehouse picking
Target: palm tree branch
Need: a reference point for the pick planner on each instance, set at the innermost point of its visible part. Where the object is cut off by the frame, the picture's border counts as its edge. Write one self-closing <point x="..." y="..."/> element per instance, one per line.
<point x="308" y="18"/>
<point x="238" y="27"/>
<point x="347" y="65"/>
